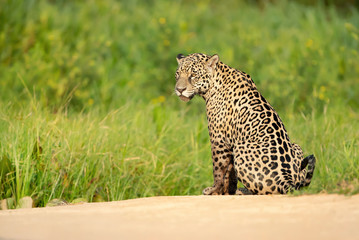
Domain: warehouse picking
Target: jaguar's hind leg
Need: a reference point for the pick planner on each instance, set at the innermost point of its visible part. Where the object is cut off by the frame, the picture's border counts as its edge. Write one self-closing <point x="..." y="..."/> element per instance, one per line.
<point x="230" y="180"/>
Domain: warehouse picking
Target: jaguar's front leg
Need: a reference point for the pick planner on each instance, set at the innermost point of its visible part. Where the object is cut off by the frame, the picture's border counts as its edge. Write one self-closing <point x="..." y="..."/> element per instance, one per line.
<point x="225" y="181"/>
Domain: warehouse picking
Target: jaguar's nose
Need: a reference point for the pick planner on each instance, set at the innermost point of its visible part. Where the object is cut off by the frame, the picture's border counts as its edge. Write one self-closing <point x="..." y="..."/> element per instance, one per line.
<point x="181" y="90"/>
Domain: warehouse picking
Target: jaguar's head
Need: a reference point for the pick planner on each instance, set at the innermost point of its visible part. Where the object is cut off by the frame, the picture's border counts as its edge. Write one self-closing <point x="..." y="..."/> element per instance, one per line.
<point x="194" y="74"/>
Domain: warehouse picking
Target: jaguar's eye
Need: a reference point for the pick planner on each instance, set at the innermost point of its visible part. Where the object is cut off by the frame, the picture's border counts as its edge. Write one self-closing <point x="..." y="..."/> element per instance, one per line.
<point x="191" y="78"/>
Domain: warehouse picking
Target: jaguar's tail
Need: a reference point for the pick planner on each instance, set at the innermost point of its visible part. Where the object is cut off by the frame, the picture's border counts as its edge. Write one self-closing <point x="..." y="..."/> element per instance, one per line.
<point x="307" y="167"/>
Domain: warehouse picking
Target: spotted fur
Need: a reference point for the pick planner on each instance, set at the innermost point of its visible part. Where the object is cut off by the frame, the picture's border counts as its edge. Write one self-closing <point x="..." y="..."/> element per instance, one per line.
<point x="248" y="140"/>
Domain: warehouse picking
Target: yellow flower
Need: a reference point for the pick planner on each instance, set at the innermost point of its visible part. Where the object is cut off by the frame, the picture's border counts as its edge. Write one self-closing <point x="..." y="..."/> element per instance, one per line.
<point x="309" y="43"/>
<point x="108" y="43"/>
<point x="321" y="96"/>
<point x="166" y="42"/>
<point x="90" y="102"/>
<point x="162" y="20"/>
<point x="159" y="99"/>
<point x="322" y="91"/>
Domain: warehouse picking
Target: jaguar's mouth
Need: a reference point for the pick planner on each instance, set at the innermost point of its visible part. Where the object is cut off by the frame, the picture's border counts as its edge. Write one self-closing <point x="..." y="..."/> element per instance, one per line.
<point x="185" y="99"/>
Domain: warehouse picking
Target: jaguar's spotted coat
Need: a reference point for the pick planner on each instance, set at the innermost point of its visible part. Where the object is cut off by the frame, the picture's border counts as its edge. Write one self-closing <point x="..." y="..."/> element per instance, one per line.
<point x="248" y="139"/>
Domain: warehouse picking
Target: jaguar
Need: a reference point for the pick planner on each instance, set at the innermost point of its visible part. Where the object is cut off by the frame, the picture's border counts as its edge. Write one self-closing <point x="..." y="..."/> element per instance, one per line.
<point x="249" y="142"/>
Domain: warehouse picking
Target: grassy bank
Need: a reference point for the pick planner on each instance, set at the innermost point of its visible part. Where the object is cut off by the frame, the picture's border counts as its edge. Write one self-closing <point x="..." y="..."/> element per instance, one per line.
<point x="87" y="108"/>
<point x="153" y="151"/>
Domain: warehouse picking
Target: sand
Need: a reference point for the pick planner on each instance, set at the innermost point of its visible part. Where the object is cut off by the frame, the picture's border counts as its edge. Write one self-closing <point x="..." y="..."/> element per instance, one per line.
<point x="191" y="217"/>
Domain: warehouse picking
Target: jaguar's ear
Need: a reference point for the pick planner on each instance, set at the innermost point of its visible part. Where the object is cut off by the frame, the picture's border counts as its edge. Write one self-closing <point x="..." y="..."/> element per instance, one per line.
<point x="179" y="57"/>
<point x="212" y="62"/>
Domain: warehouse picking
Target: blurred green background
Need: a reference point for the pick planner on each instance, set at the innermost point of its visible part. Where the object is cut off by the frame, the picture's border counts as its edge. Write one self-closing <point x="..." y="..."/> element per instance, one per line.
<point x="90" y="84"/>
<point x="105" y="53"/>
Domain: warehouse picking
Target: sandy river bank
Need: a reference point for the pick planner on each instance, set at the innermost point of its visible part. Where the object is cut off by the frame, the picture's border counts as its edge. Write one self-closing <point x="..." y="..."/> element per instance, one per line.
<point x="191" y="217"/>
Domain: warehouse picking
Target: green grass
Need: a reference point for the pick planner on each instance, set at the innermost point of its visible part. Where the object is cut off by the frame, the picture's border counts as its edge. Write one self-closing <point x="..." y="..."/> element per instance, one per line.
<point x="119" y="155"/>
<point x="87" y="108"/>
